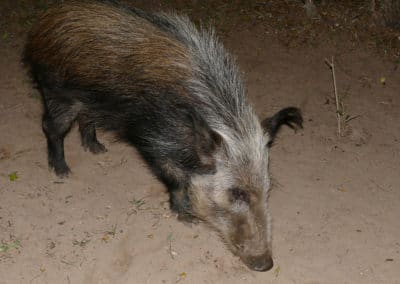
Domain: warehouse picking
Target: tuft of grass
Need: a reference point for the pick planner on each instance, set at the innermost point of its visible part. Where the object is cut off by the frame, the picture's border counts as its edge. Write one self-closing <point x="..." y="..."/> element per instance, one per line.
<point x="113" y="231"/>
<point x="109" y="233"/>
<point x="5" y="36"/>
<point x="170" y="237"/>
<point x="138" y="203"/>
<point x="13" y="176"/>
<point x="14" y="244"/>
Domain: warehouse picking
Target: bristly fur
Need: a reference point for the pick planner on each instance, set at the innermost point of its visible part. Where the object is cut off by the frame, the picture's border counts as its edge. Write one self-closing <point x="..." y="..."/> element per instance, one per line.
<point x="217" y="83"/>
<point x="172" y="91"/>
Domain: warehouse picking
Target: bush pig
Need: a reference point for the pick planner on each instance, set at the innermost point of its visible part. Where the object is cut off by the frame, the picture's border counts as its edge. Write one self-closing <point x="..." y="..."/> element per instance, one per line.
<point x="171" y="90"/>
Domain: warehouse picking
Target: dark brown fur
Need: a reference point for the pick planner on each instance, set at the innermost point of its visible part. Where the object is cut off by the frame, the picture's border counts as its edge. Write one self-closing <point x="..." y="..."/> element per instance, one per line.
<point x="129" y="46"/>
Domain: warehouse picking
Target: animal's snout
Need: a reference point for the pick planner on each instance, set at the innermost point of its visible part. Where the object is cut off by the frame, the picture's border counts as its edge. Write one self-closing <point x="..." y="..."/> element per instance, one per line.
<point x="260" y="263"/>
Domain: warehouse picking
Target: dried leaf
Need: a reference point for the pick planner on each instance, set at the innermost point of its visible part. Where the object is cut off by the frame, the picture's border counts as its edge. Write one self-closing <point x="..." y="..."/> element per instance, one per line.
<point x="277" y="270"/>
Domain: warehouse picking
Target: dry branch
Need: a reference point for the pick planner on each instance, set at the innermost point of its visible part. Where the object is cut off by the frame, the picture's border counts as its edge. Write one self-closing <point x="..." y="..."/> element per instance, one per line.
<point x="331" y="65"/>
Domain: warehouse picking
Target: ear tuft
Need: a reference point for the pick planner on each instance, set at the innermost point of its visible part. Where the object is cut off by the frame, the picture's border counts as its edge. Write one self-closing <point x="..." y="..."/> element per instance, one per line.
<point x="291" y="116"/>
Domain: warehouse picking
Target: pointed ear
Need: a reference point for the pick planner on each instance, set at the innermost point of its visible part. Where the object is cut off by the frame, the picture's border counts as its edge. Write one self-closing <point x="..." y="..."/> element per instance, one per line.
<point x="290" y="116"/>
<point x="206" y="143"/>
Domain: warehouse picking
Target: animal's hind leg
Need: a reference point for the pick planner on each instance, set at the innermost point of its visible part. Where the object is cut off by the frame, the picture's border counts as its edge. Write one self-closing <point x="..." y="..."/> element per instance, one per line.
<point x="88" y="135"/>
<point x="58" y="117"/>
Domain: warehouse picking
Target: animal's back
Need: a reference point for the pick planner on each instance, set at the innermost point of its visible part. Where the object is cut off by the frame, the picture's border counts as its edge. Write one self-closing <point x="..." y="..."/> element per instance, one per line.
<point x="105" y="47"/>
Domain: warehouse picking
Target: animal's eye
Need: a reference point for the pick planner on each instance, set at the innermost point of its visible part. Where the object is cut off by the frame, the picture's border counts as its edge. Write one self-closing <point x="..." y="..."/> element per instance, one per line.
<point x="238" y="194"/>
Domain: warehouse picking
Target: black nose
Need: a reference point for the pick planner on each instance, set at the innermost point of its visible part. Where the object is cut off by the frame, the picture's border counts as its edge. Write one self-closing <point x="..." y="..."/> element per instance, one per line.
<point x="261" y="263"/>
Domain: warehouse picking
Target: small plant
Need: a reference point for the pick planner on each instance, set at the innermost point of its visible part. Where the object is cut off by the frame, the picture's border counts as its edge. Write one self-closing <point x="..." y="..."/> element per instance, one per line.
<point x="5" y="247"/>
<point x="138" y="203"/>
<point x="13" y="176"/>
<point x="113" y="231"/>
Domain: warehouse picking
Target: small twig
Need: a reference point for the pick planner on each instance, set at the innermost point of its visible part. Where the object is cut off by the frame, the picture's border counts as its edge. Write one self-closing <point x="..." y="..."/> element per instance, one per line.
<point x="351" y="118"/>
<point x="332" y="67"/>
<point x="34" y="278"/>
<point x="139" y="203"/>
<point x="170" y="251"/>
<point x="158" y="219"/>
<point x="377" y="185"/>
<point x="68" y="262"/>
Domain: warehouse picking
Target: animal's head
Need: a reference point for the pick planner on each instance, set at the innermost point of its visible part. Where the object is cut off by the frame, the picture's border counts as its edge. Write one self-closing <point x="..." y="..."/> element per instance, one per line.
<point x="233" y="197"/>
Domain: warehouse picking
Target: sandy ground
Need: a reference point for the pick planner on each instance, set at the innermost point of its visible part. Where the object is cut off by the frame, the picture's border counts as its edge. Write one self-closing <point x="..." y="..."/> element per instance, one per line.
<point x="334" y="202"/>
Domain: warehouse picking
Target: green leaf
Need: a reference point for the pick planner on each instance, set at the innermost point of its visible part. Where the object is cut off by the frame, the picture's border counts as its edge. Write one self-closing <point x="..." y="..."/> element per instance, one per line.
<point x="170" y="237"/>
<point x="4" y="248"/>
<point x="16" y="244"/>
<point x="13" y="176"/>
<point x="5" y="35"/>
